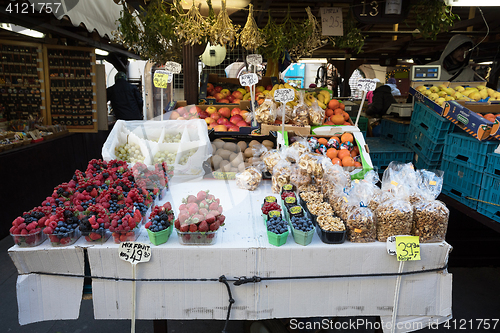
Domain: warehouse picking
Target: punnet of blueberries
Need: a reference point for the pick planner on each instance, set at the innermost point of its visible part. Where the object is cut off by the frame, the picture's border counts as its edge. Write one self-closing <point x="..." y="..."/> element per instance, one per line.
<point x="302" y="223"/>
<point x="277" y="225"/>
<point x="159" y="223"/>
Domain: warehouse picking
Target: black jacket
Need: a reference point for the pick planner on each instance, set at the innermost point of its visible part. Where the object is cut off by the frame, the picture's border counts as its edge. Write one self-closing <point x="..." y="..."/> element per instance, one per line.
<point x="382" y="100"/>
<point x="126" y="100"/>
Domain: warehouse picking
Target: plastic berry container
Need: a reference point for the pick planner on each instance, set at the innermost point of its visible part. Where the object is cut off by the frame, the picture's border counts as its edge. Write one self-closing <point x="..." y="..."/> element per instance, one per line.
<point x="30" y="240"/>
<point x="277" y="239"/>
<point x="99" y="236"/>
<point x="197" y="237"/>
<point x="301" y="237"/>
<point x="160" y="237"/>
<point x="120" y="236"/>
<point x="64" y="239"/>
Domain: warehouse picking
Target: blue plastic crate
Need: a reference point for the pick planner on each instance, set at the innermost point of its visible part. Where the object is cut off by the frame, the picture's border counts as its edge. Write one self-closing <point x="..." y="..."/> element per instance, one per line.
<point x="394" y="131"/>
<point x="466" y="150"/>
<point x="461" y="182"/>
<point x="423" y="145"/>
<point x="420" y="162"/>
<point x="490" y="192"/>
<point x="493" y="164"/>
<point x="384" y="151"/>
<point x="432" y="124"/>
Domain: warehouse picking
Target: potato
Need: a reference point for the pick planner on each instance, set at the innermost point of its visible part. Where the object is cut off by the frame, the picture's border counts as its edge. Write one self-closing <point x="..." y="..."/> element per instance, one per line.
<point x="237" y="160"/>
<point x="248" y="152"/>
<point x="241" y="167"/>
<point x="224" y="153"/>
<point x="218" y="143"/>
<point x="216" y="159"/>
<point x="243" y="145"/>
<point x="230" y="146"/>
<point x="233" y="169"/>
<point x="268" y="143"/>
<point x="214" y="148"/>
<point x="225" y="166"/>
<point x="253" y="143"/>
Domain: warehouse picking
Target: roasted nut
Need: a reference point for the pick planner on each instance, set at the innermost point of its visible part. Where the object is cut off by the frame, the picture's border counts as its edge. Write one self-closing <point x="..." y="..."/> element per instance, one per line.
<point x="394" y="217"/>
<point x="330" y="223"/>
<point x="361" y="225"/>
<point x="430" y="221"/>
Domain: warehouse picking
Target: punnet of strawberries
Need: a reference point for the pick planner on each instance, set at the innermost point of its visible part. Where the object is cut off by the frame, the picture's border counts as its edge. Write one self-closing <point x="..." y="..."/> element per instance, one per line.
<point x="200" y="213"/>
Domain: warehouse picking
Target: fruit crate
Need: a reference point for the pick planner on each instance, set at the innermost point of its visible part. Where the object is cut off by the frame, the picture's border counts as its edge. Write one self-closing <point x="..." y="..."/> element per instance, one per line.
<point x="421" y="144"/>
<point x="431" y="124"/>
<point x="197" y="237"/>
<point x="384" y="151"/>
<point x="30" y="240"/>
<point x="421" y="162"/>
<point x="490" y="192"/>
<point x="467" y="150"/>
<point x="394" y="130"/>
<point x="461" y="183"/>
<point x="362" y="123"/>
<point x="493" y="164"/>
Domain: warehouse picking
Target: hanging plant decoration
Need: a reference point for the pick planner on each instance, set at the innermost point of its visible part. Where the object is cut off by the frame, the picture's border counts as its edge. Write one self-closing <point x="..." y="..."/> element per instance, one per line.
<point x="224" y="31"/>
<point x="251" y="37"/>
<point x="433" y="17"/>
<point x="295" y="35"/>
<point x="275" y="45"/>
<point x="352" y="39"/>
<point x="314" y="40"/>
<point x="191" y="27"/>
<point x="149" y="32"/>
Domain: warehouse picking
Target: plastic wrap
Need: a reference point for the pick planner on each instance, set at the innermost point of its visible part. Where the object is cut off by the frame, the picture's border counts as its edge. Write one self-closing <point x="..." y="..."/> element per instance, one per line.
<point x="249" y="179"/>
<point x="301" y="112"/>
<point x="266" y="113"/>
<point x="299" y="177"/>
<point x="335" y="178"/>
<point x="316" y="114"/>
<point x="361" y="225"/>
<point x="394" y="217"/>
<point x="281" y="175"/>
<point x="270" y="159"/>
<point x="311" y="163"/>
<point x="296" y="149"/>
<point x="288" y="114"/>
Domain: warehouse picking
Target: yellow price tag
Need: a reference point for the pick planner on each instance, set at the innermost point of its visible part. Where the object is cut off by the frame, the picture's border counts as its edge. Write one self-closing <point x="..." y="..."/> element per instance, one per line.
<point x="407" y="248"/>
<point x="160" y="79"/>
<point x="395" y="183"/>
<point x="432" y="182"/>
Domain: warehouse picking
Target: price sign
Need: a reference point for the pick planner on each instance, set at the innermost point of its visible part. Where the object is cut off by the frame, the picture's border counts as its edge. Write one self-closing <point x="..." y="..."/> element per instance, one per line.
<point x="331" y="21"/>
<point x="134" y="252"/>
<point x="367" y="84"/>
<point x="284" y="95"/>
<point x="173" y="67"/>
<point x="247" y="80"/>
<point x="405" y="248"/>
<point x="161" y="79"/>
<point x="254" y="59"/>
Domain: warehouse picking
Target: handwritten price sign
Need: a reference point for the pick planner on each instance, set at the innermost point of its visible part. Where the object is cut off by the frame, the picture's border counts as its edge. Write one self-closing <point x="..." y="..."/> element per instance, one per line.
<point x="161" y="79"/>
<point x="405" y="248"/>
<point x="254" y="59"/>
<point x="367" y="84"/>
<point x="173" y="67"/>
<point x="247" y="80"/>
<point x="331" y="21"/>
<point x="134" y="252"/>
<point x="284" y="95"/>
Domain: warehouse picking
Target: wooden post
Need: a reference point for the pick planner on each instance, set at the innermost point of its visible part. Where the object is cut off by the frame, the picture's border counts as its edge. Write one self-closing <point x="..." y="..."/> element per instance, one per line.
<point x="191" y="74"/>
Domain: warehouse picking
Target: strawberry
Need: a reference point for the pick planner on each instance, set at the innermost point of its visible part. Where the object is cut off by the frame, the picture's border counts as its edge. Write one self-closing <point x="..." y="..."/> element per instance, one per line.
<point x="92" y="219"/>
<point x="203" y="204"/>
<point x="197" y="218"/>
<point x="184" y="228"/>
<point x="210" y="219"/>
<point x="182" y="207"/>
<point x="221" y="219"/>
<point x="213" y="213"/>
<point x="190" y="199"/>
<point x="93" y="193"/>
<point x="192" y="208"/>
<point x="94" y="236"/>
<point x="219" y="209"/>
<point x="203" y="226"/>
<point x="193" y="228"/>
<point x="177" y="224"/>
<point x="203" y="211"/>
<point x="201" y="195"/>
<point x="168" y="206"/>
<point x="213" y="206"/>
<point x="183" y="217"/>
<point x="148" y="225"/>
<point x="214" y="226"/>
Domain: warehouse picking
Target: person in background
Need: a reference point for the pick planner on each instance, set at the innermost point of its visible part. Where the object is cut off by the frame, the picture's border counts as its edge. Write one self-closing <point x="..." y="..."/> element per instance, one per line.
<point x="454" y="60"/>
<point x="382" y="100"/>
<point x="394" y="89"/>
<point x="369" y="95"/>
<point x="126" y="100"/>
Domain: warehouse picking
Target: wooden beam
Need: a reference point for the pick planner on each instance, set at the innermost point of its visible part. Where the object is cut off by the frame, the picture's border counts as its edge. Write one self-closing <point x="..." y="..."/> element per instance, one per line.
<point x="472" y="14"/>
<point x="395" y="28"/>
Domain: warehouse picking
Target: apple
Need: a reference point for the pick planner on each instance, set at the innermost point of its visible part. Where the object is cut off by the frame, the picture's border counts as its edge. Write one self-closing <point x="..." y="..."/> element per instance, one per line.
<point x="220" y="128"/>
<point x="174" y="115"/>
<point x="210" y="87"/>
<point x="224" y="101"/>
<point x="211" y="109"/>
<point x="225" y="112"/>
<point x="241" y="123"/>
<point x="222" y="121"/>
<point x="182" y="111"/>
<point x="242" y="91"/>
<point x="225" y="92"/>
<point x="212" y="125"/>
<point x="236" y="101"/>
<point x="218" y="89"/>
<point x="244" y="114"/>
<point x="195" y="110"/>
<point x="269" y="87"/>
<point x="233" y="129"/>
<point x="260" y="88"/>
<point x="215" y="115"/>
<point x="203" y="114"/>
<point x="235" y="111"/>
<point x="210" y="120"/>
<point x="237" y="94"/>
<point x="218" y="96"/>
<point x="212" y="92"/>
<point x="236" y="118"/>
<point x="230" y="98"/>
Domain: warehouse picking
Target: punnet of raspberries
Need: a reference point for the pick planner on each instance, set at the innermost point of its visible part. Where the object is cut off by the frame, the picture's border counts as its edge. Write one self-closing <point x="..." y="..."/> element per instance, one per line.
<point x="200" y="213"/>
<point x="269" y="206"/>
<point x="287" y="194"/>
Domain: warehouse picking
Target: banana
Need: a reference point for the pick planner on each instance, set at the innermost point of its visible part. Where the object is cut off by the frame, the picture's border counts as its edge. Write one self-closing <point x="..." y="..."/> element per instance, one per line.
<point x="321" y="104"/>
<point x="288" y="86"/>
<point x="281" y="86"/>
<point x="326" y="96"/>
<point x="276" y="86"/>
<point x="321" y="98"/>
<point x="308" y="102"/>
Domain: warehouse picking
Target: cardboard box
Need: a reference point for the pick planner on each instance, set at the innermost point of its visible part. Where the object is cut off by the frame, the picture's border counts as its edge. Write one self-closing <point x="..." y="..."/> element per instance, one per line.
<point x="295" y="130"/>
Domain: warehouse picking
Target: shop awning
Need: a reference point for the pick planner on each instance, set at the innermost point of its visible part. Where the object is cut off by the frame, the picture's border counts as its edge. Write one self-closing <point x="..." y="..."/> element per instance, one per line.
<point x="98" y="15"/>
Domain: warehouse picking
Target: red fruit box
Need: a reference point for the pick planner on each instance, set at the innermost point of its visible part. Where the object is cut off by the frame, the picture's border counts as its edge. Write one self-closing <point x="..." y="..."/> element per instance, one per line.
<point x="197" y="237"/>
<point x="125" y="236"/>
<point x="64" y="239"/>
<point x="97" y="236"/>
<point x="30" y="240"/>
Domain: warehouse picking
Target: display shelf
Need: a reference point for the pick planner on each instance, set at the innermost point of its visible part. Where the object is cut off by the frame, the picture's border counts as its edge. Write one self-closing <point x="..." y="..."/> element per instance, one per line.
<point x="22" y="80"/>
<point x="71" y="87"/>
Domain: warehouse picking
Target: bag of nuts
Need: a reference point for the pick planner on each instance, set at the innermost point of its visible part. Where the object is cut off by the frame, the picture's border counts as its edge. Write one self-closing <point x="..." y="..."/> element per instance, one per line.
<point x="394" y="217"/>
<point x="316" y="114"/>
<point x="334" y="178"/>
<point x="299" y="177"/>
<point x="250" y="178"/>
<point x="301" y="112"/>
<point x="271" y="158"/>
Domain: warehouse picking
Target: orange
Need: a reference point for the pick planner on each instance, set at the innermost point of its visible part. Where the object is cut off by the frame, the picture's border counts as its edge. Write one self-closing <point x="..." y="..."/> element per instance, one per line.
<point x="346" y="116"/>
<point x="347" y="137"/>
<point x="347" y="123"/>
<point x="333" y="104"/>
<point x="347" y="161"/>
<point x="354" y="153"/>
<point x="328" y="112"/>
<point x="322" y="141"/>
<point x="356" y="149"/>
<point x="331" y="153"/>
<point x="342" y="106"/>
<point x="337" y="119"/>
<point x="357" y="165"/>
<point x="329" y="123"/>
<point x="336" y="160"/>
<point x="343" y="153"/>
<point x="338" y="111"/>
<point x="490" y="116"/>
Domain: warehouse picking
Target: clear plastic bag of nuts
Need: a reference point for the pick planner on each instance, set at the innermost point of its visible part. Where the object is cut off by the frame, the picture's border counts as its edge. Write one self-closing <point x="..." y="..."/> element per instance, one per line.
<point x="281" y="175"/>
<point x="299" y="177"/>
<point x="301" y="112"/>
<point x="311" y="162"/>
<point x="361" y="225"/>
<point x="266" y="113"/>
<point x="394" y="217"/>
<point x="316" y="114"/>
<point x="335" y="178"/>
<point x="250" y="178"/>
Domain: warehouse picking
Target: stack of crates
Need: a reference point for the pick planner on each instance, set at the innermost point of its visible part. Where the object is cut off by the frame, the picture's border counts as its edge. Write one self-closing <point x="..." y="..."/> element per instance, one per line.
<point x="464" y="162"/>
<point x="490" y="189"/>
<point x="395" y="130"/>
<point x="426" y="136"/>
<point x="383" y="151"/>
